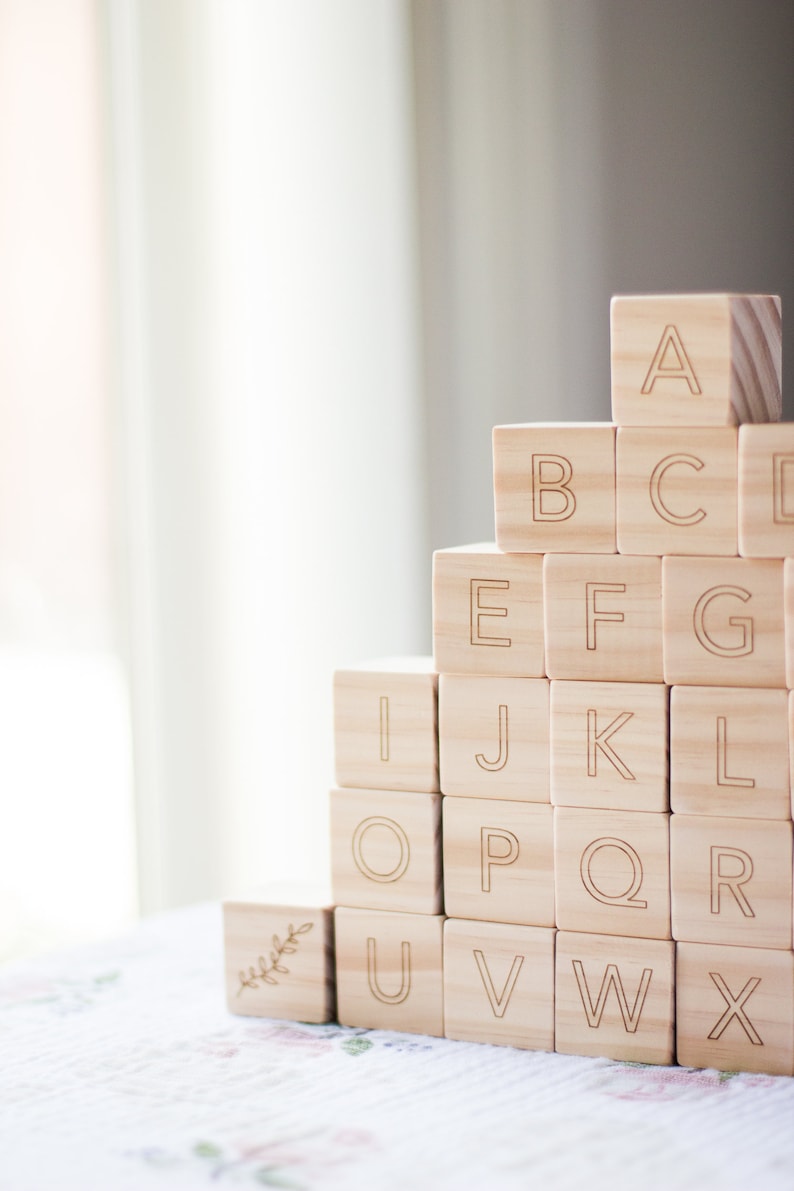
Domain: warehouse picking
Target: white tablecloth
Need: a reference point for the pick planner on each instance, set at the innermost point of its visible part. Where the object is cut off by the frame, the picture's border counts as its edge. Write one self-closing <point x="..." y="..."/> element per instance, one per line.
<point x="121" y="1068"/>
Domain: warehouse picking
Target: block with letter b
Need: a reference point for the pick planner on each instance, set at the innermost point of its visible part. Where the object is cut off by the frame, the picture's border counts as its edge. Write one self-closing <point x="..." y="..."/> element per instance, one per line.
<point x="499" y="983"/>
<point x="554" y="487"/>
<point x="389" y="970"/>
<point x="488" y="612"/>
<point x="735" y="1008"/>
<point x="696" y="359"/>
<point x="731" y="881"/>
<point x="385" y="725"/>
<point x="279" y="953"/>
<point x="614" y="997"/>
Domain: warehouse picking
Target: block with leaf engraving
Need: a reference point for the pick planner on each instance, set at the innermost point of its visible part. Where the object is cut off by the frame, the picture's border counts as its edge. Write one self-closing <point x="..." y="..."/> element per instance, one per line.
<point x="279" y="953"/>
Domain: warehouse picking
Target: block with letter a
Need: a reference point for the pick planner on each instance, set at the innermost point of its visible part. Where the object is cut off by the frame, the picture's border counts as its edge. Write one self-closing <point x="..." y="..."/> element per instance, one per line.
<point x="614" y="997"/>
<point x="735" y="1008"/>
<point x="499" y="983"/>
<point x="696" y="359"/>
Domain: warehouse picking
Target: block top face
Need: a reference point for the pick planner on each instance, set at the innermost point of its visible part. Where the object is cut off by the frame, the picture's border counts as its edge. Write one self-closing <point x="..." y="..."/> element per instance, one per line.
<point x="696" y="359"/>
<point x="554" y="487"/>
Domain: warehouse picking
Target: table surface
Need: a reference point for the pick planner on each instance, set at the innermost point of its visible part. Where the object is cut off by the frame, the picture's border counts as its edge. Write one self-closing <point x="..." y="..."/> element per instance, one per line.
<point x="121" y="1068"/>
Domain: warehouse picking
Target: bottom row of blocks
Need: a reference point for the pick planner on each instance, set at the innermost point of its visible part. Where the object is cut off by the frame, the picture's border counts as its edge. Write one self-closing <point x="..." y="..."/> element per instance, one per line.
<point x="632" y="999"/>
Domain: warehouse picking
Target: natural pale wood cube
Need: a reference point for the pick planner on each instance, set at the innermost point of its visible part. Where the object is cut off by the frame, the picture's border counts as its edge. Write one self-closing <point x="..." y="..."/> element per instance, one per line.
<point x="788" y="616"/>
<point x="279" y="953"/>
<point x="609" y="745"/>
<point x="729" y="752"/>
<point x="735" y="1008"/>
<point x="499" y="861"/>
<point x="389" y="971"/>
<point x="731" y="881"/>
<point x="386" y="850"/>
<point x="612" y="872"/>
<point x="676" y="490"/>
<point x="614" y="997"/>
<point x="499" y="983"/>
<point x="385" y="725"/>
<point x="554" y="487"/>
<point x="723" y="622"/>
<point x="493" y="737"/>
<point x="766" y="491"/>
<point x="696" y="359"/>
<point x="603" y="617"/>
<point x="488" y="612"/>
<point x="791" y="747"/>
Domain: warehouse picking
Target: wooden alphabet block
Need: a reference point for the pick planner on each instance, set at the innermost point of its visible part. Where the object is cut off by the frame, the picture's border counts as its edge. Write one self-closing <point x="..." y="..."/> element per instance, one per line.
<point x="791" y="747"/>
<point x="603" y="617"/>
<point x="609" y="745"/>
<point x="696" y="359"/>
<point x="676" y="490"/>
<point x="735" y="1008"/>
<point x="386" y="850"/>
<point x="498" y="861"/>
<point x="612" y="872"/>
<point x="723" y="622"/>
<point x="554" y="487"/>
<point x="385" y="725"/>
<point x="493" y="737"/>
<point x="499" y="983"/>
<point x="788" y="617"/>
<point x="389" y="971"/>
<point x="488" y="612"/>
<point x="729" y="752"/>
<point x="614" y="997"/>
<point x="279" y="953"/>
<point x="766" y="491"/>
<point x="731" y="881"/>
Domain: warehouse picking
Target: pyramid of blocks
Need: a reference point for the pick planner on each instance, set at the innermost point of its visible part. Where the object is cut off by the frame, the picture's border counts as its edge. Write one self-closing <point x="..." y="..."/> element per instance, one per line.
<point x="571" y="829"/>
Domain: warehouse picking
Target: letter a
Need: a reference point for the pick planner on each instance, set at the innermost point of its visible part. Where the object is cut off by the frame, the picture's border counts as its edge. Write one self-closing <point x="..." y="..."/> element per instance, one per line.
<point x="671" y="363"/>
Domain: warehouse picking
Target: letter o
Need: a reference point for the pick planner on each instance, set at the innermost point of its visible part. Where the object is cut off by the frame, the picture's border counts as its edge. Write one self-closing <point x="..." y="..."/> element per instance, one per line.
<point x="365" y="869"/>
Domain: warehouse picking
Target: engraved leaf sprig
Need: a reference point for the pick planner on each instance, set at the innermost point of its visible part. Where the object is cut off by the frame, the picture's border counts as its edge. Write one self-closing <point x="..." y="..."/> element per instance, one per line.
<point x="265" y="972"/>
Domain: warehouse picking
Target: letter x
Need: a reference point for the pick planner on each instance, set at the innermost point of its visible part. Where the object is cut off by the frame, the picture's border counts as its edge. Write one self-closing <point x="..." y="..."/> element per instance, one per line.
<point x="735" y="1008"/>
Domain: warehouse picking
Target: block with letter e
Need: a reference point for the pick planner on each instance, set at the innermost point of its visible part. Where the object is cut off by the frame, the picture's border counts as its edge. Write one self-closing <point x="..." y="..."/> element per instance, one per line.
<point x="614" y="997"/>
<point x="696" y="359"/>
<point x="488" y="612"/>
<point x="554" y="487"/>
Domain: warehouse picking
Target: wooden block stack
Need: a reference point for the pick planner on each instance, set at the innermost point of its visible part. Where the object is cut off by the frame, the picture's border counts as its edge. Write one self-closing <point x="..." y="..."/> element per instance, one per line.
<point x="597" y="756"/>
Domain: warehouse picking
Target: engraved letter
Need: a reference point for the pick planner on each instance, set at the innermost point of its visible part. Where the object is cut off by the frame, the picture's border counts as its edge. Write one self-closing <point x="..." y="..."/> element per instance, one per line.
<point x="405" y="979"/>
<point x="628" y="896"/>
<point x="656" y="494"/>
<point x="723" y="778"/>
<point x="501" y="760"/>
<point x="736" y="1008"/>
<point x="490" y="856"/>
<point x="611" y="979"/>
<point x="392" y="874"/>
<point x="600" y="740"/>
<point x="552" y="474"/>
<point x="499" y="1001"/>
<point x="671" y="363"/>
<point x="783" y="513"/>
<point x="732" y="881"/>
<point x="384" y="727"/>
<point x="744" y="623"/>
<point x="594" y="613"/>
<point x="480" y="611"/>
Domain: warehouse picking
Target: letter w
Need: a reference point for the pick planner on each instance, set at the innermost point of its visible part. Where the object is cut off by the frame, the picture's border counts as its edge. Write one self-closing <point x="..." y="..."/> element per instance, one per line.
<point x="594" y="1013"/>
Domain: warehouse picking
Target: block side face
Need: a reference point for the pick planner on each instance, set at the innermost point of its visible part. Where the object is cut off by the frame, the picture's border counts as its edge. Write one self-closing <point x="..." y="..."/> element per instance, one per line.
<point x="614" y="998"/>
<point x="608" y="745"/>
<point x="766" y="491"/>
<point x="488" y="613"/>
<point x="729" y="752"/>
<point x="731" y="881"/>
<point x="279" y="961"/>
<point x="389" y="971"/>
<point x="554" y="487"/>
<point x="677" y="491"/>
<point x="756" y="358"/>
<point x="386" y="850"/>
<point x="499" y="984"/>
<point x="498" y="861"/>
<point x="735" y="1008"/>
<point x="493" y="737"/>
